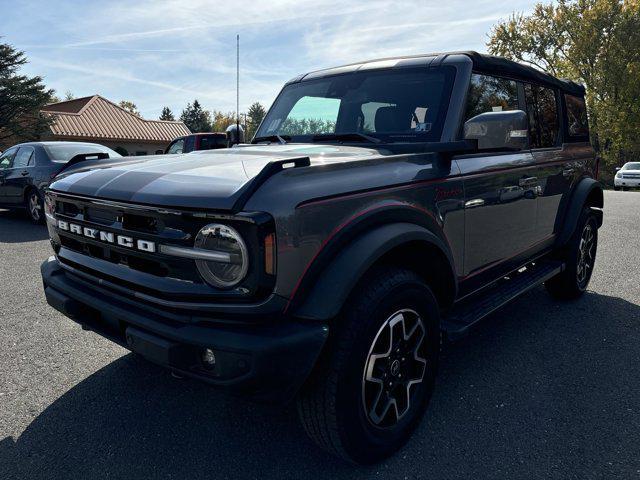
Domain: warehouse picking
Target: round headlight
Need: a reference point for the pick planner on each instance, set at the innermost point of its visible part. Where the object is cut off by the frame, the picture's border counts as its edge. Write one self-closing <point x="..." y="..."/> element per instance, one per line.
<point x="234" y="258"/>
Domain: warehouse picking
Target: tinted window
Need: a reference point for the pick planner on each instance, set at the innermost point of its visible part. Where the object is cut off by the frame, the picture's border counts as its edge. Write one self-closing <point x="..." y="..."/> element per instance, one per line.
<point x="577" y="122"/>
<point x="542" y="110"/>
<point x="63" y="152"/>
<point x="212" y="141"/>
<point x="403" y="104"/>
<point x="490" y="94"/>
<point x="23" y="157"/>
<point x="176" y="147"/>
<point x="7" y="157"/>
<point x="189" y="144"/>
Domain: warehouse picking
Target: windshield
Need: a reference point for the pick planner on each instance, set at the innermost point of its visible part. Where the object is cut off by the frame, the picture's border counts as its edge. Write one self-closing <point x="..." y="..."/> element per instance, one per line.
<point x="391" y="105"/>
<point x="66" y="151"/>
<point x="632" y="166"/>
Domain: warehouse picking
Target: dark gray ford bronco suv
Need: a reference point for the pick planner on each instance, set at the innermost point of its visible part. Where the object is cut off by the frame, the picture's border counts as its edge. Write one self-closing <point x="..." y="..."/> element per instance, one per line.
<point x="382" y="207"/>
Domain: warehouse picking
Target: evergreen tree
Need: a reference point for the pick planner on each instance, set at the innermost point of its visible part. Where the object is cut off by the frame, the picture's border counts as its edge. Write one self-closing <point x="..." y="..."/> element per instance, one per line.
<point x="256" y="113"/>
<point x="167" y="114"/>
<point x="21" y="98"/>
<point x="195" y="118"/>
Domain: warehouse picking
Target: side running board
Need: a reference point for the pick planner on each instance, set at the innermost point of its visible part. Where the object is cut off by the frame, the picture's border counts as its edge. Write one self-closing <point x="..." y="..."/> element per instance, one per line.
<point x="466" y="314"/>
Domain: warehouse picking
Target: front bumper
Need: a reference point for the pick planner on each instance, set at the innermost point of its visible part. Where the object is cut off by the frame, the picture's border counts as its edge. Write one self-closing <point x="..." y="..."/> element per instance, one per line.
<point x="626" y="182"/>
<point x="265" y="362"/>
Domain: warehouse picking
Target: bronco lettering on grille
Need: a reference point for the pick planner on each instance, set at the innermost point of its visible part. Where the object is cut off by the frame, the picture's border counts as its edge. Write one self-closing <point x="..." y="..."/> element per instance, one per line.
<point x="108" y="237"/>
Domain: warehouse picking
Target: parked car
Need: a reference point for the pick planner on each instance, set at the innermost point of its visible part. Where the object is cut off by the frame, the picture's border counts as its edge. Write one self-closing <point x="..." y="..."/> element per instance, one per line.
<point x="28" y="168"/>
<point x="197" y="141"/>
<point x="382" y="207"/>
<point x="627" y="177"/>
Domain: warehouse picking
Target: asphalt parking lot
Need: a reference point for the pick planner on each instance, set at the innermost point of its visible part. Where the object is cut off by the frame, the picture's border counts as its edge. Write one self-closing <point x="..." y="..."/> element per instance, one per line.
<point x="541" y="390"/>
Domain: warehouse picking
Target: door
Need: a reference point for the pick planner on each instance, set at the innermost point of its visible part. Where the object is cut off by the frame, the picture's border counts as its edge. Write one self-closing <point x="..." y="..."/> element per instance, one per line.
<point x="555" y="162"/>
<point x="6" y="161"/>
<point x="501" y="188"/>
<point x="19" y="176"/>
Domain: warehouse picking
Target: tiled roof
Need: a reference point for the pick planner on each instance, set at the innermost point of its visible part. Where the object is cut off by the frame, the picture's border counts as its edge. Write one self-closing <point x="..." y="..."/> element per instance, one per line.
<point x="97" y="118"/>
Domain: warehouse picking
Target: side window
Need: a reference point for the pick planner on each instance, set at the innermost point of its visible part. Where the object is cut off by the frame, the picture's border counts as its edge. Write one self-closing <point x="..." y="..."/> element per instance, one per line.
<point x="177" y="146"/>
<point x="23" y="157"/>
<point x="490" y="94"/>
<point x="542" y="110"/>
<point x="6" y="158"/>
<point x="210" y="142"/>
<point x="577" y="123"/>
<point x="189" y="144"/>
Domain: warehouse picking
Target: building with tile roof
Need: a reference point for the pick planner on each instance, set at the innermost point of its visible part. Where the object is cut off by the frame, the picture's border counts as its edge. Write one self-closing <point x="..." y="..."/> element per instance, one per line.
<point x="98" y="120"/>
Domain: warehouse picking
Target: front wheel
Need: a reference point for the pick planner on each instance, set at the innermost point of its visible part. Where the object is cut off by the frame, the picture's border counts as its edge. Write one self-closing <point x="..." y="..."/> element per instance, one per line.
<point x="579" y="256"/>
<point x="35" y="206"/>
<point x="373" y="383"/>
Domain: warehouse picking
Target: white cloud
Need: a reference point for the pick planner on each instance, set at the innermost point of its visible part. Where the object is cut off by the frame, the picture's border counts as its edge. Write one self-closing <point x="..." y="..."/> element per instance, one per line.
<point x="168" y="52"/>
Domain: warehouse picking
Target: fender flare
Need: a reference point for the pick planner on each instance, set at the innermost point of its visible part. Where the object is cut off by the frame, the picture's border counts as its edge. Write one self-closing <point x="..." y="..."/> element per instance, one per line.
<point x="341" y="275"/>
<point x="587" y="188"/>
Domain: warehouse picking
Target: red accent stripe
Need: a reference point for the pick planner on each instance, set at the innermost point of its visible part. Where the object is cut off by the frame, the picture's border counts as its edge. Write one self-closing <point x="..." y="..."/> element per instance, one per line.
<point x="422" y="183"/>
<point x="335" y="231"/>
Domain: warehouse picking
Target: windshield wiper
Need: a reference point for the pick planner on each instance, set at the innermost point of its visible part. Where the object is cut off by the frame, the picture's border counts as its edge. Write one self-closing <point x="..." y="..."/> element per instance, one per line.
<point x="281" y="139"/>
<point x="354" y="136"/>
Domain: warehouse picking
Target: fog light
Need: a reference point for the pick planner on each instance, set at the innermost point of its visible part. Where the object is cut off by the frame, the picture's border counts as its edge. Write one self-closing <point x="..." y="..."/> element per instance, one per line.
<point x="208" y="357"/>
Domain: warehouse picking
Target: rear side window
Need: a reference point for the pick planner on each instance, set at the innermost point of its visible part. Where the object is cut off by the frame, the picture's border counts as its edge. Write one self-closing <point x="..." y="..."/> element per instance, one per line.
<point x="210" y="142"/>
<point x="189" y="144"/>
<point x="542" y="110"/>
<point x="23" y="157"/>
<point x="577" y="123"/>
<point x="490" y="94"/>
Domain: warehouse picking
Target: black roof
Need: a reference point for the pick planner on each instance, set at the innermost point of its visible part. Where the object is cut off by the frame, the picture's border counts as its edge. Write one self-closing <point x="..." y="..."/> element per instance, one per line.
<point x="502" y="66"/>
<point x="481" y="63"/>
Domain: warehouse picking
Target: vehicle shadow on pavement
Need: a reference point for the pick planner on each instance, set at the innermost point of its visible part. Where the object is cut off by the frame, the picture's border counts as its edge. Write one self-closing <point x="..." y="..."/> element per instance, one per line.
<point x="541" y="390"/>
<point x="15" y="227"/>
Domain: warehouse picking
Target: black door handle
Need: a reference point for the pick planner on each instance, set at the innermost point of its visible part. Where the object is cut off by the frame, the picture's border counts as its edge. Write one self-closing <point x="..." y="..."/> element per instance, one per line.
<point x="24" y="173"/>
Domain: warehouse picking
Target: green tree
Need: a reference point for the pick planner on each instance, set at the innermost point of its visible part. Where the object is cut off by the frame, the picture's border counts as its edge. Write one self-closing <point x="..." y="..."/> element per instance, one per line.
<point x="130" y="107"/>
<point x="255" y="115"/>
<point x="167" y="114"/>
<point x="222" y="120"/>
<point x="68" y="95"/>
<point x="21" y="98"/>
<point x="594" y="42"/>
<point x="195" y="118"/>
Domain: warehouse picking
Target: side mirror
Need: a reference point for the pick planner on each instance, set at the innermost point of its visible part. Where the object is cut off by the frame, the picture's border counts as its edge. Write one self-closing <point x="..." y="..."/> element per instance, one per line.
<point x="617" y="169"/>
<point x="499" y="130"/>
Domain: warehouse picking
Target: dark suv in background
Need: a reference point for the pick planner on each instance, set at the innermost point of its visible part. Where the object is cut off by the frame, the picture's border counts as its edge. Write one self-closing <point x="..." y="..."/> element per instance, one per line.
<point x="382" y="207"/>
<point x="197" y="141"/>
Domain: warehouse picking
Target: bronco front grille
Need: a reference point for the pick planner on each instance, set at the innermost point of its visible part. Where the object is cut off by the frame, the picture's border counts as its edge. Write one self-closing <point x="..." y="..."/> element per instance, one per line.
<point x="138" y="263"/>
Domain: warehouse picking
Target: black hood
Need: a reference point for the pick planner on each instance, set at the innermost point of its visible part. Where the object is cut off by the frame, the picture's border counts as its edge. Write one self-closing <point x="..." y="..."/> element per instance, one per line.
<point x="209" y="179"/>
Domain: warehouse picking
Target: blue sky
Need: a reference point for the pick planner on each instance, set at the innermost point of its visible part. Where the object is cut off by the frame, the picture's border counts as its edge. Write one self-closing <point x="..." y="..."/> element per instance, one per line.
<point x="162" y="52"/>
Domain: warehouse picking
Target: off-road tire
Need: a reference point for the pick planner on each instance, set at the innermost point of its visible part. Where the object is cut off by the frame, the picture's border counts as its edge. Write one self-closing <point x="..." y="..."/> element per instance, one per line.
<point x="331" y="405"/>
<point x="570" y="283"/>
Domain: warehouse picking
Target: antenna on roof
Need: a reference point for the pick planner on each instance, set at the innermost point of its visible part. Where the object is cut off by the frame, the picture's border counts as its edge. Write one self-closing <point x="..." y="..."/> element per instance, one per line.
<point x="238" y="86"/>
